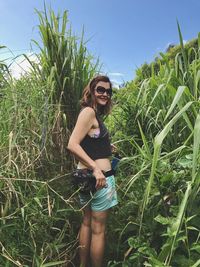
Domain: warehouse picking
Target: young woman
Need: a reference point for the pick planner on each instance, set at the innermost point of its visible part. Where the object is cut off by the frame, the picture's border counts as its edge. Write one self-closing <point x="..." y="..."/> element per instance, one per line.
<point x="90" y="143"/>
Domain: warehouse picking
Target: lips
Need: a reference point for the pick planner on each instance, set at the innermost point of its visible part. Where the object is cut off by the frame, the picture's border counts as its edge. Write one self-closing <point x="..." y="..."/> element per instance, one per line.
<point x="103" y="98"/>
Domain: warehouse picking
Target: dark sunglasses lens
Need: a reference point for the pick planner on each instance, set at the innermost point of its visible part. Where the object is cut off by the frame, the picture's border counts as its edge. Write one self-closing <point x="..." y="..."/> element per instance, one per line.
<point x="102" y="90"/>
<point x="109" y="91"/>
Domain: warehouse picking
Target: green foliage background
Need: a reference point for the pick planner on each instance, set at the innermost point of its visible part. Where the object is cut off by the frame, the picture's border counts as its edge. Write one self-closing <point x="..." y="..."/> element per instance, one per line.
<point x="155" y="123"/>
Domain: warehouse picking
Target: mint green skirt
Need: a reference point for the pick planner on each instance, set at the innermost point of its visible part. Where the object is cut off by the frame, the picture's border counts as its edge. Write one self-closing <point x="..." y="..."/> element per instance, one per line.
<point x="102" y="199"/>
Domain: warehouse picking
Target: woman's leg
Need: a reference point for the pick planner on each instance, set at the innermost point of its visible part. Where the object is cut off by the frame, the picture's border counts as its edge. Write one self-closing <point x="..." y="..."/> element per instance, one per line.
<point x="98" y="225"/>
<point x="85" y="237"/>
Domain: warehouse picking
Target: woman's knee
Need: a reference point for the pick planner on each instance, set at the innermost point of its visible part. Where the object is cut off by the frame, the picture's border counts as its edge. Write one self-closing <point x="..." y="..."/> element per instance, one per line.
<point x="98" y="222"/>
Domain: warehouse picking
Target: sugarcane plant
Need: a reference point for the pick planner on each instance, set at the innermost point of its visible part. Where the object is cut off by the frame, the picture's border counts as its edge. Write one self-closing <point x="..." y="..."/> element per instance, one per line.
<point x="157" y="130"/>
<point x="66" y="66"/>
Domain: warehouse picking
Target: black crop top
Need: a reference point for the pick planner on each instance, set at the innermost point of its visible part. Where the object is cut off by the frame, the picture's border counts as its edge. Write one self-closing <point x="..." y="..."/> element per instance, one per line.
<point x="97" y="147"/>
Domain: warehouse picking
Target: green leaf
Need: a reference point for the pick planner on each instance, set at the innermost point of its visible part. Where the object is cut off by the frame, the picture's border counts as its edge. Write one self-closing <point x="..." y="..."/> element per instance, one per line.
<point x="159" y="218"/>
<point x="175" y="100"/>
<point x="195" y="247"/>
<point x="196" y="264"/>
<point x="38" y="201"/>
<point x="52" y="263"/>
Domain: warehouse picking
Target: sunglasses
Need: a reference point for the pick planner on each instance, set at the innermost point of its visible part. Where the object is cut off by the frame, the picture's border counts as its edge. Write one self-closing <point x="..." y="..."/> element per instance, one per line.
<point x="101" y="90"/>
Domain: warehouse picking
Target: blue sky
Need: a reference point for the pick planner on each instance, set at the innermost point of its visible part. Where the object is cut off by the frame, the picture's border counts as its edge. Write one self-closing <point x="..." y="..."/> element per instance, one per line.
<point x="124" y="34"/>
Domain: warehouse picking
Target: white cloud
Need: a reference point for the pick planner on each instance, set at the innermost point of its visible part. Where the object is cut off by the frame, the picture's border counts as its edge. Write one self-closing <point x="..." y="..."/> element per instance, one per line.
<point x="117" y="78"/>
<point x="20" y="65"/>
<point x="115" y="83"/>
<point x="115" y="74"/>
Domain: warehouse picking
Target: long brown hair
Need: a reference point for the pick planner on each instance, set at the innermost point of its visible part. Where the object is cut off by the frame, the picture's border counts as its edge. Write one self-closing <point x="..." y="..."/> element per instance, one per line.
<point x="88" y="98"/>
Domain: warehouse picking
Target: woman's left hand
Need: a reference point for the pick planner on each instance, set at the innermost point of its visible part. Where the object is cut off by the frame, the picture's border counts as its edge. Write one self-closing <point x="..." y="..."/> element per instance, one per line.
<point x="100" y="178"/>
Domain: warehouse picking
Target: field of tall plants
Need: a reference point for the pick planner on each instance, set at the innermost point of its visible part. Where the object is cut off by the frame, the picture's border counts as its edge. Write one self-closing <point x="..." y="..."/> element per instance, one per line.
<point x="155" y="123"/>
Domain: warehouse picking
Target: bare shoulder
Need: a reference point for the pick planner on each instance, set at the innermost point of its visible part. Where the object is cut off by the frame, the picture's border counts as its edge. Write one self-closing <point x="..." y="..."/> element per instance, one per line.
<point x="87" y="112"/>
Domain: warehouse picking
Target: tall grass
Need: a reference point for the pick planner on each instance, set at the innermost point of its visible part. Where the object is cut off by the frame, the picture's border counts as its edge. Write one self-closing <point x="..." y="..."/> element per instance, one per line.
<point x="67" y="67"/>
<point x="155" y="124"/>
<point x="156" y="128"/>
<point x="38" y="222"/>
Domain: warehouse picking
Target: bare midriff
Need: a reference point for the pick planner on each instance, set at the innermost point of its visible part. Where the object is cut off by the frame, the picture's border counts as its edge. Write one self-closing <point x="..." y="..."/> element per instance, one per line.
<point x="103" y="164"/>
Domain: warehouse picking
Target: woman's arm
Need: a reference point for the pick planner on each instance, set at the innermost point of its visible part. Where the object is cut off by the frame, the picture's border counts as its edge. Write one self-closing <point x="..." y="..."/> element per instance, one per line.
<point x="83" y="125"/>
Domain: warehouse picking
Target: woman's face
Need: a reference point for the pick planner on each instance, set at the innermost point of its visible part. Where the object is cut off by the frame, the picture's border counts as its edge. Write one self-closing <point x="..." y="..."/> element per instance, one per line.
<point x="102" y="93"/>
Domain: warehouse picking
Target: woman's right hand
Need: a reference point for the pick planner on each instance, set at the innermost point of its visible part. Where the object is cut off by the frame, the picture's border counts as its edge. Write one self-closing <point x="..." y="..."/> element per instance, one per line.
<point x="100" y="178"/>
